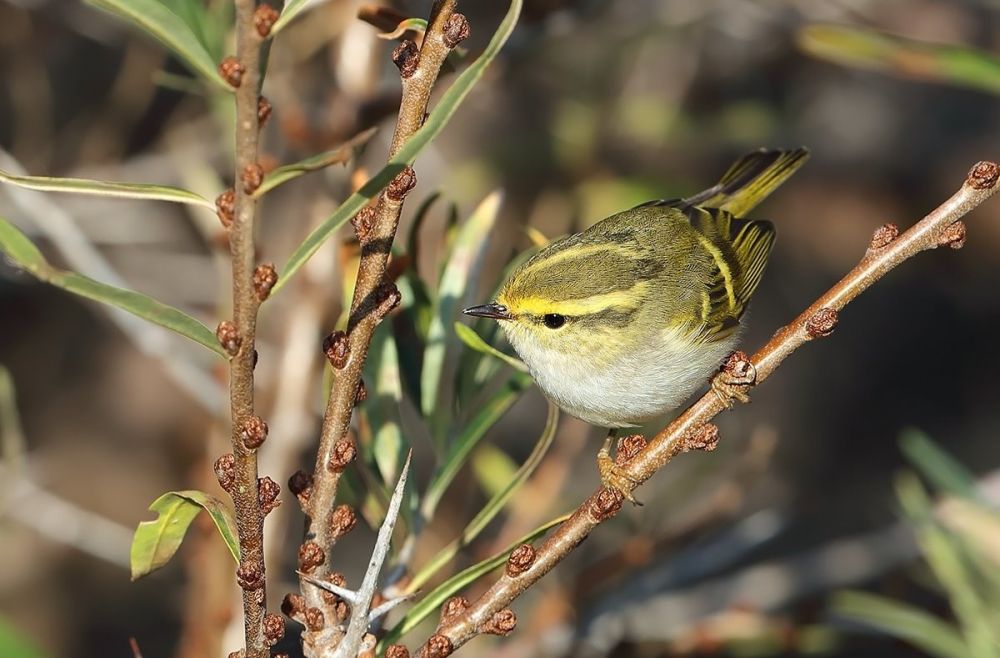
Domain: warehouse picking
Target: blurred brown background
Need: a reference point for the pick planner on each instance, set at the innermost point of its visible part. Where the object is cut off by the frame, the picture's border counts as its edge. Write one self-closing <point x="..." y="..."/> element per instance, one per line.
<point x="592" y="107"/>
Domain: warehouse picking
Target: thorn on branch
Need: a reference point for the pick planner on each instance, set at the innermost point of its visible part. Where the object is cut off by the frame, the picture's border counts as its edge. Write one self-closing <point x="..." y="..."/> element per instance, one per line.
<point x="456" y="30"/>
<point x="274" y="628"/>
<point x="252" y="177"/>
<point x="628" y="447"/>
<point x="520" y="560"/>
<point x="983" y="175"/>
<point x="344" y="453"/>
<point x="300" y="484"/>
<point x="267" y="494"/>
<point x="438" y="646"/>
<point x="406" y="56"/>
<point x="883" y="236"/>
<point x="822" y="323"/>
<point x="253" y="432"/>
<point x="225" y="471"/>
<point x="250" y="576"/>
<point x="502" y="623"/>
<point x="264" y="278"/>
<point x="953" y="235"/>
<point x="342" y="521"/>
<point x="401" y="185"/>
<point x="607" y="503"/>
<point x="232" y="71"/>
<point x="263" y="109"/>
<point x="264" y="18"/>
<point x="337" y="348"/>
<point x="225" y="207"/>
<point x="228" y="337"/>
<point x="311" y="555"/>
<point x="704" y="438"/>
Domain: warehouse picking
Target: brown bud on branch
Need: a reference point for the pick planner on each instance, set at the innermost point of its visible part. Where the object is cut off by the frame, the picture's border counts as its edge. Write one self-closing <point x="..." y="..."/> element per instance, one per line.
<point x="232" y="71"/>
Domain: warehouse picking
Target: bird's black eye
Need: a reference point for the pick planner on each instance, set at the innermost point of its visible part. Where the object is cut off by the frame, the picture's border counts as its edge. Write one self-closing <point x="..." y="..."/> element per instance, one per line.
<point x="553" y="320"/>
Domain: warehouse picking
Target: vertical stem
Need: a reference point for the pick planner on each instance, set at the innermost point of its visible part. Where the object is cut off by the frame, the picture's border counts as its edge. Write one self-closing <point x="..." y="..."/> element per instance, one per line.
<point x="249" y="517"/>
<point x="419" y="71"/>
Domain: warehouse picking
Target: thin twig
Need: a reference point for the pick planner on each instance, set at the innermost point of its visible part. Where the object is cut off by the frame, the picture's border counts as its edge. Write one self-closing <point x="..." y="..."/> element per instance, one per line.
<point x="245" y="75"/>
<point x="941" y="227"/>
<point x="373" y="298"/>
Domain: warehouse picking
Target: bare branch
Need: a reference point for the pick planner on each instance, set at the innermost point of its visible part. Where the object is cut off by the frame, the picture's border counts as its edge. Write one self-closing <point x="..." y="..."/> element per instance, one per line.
<point x="939" y="228"/>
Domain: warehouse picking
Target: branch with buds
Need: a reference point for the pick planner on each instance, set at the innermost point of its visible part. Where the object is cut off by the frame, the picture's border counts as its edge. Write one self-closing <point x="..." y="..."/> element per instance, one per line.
<point x="693" y="429"/>
<point x="374" y="297"/>
<point x="252" y="498"/>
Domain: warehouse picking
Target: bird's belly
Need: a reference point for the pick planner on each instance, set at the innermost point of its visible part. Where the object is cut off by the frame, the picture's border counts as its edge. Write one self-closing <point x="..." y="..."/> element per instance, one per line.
<point x="634" y="389"/>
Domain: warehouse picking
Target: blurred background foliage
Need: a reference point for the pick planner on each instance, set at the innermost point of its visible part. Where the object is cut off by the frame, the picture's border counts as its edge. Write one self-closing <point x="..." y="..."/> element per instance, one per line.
<point x="591" y="108"/>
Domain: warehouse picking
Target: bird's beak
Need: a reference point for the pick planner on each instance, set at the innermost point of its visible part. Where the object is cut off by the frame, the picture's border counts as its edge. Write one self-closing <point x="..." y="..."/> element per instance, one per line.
<point x="491" y="310"/>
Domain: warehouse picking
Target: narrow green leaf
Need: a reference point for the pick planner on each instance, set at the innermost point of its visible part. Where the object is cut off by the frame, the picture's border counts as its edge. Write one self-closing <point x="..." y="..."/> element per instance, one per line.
<point x="492" y="467"/>
<point x="469" y="336"/>
<point x="24" y="253"/>
<point x="292" y="9"/>
<point x="107" y="189"/>
<point x="339" y="155"/>
<point x="435" y="123"/>
<point x="155" y="542"/>
<point x="458" y="451"/>
<point x="951" y="567"/>
<point x="158" y="21"/>
<point x="936" y="465"/>
<point x="848" y="46"/>
<point x="494" y="506"/>
<point x="900" y="620"/>
<point x="430" y="603"/>
<point x="460" y="274"/>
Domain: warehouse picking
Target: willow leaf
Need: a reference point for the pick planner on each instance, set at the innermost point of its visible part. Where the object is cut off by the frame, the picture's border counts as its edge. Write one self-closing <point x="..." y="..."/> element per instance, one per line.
<point x="921" y="629"/>
<point x="471" y="434"/>
<point x="957" y="65"/>
<point x="469" y="336"/>
<point x="107" y="189"/>
<point x="339" y="155"/>
<point x="158" y="21"/>
<point x="435" y="123"/>
<point x="155" y="542"/>
<point x="460" y="274"/>
<point x="493" y="507"/>
<point x="292" y="9"/>
<point x="21" y="250"/>
<point x="432" y="602"/>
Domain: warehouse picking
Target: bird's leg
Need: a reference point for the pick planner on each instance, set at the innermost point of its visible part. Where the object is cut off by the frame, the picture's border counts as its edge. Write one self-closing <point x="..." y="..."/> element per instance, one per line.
<point x="613" y="476"/>
<point x="735" y="378"/>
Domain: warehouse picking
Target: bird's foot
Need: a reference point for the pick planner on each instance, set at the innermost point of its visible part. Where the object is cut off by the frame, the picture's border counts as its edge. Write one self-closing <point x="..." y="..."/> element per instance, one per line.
<point x="735" y="378"/>
<point x="613" y="475"/>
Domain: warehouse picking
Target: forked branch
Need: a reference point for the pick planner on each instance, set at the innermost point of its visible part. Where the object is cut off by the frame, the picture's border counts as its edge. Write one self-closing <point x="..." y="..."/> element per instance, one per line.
<point x="692" y="430"/>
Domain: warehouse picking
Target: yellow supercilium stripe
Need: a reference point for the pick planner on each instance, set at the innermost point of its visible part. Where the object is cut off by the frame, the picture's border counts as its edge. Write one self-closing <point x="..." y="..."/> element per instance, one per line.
<point x="620" y="299"/>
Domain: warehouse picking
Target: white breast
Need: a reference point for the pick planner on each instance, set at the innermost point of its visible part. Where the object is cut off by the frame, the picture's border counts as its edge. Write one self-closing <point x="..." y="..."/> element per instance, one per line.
<point x="640" y="387"/>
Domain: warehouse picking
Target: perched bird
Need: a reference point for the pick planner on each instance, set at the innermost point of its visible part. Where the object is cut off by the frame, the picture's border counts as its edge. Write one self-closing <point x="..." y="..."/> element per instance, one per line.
<point x="621" y="323"/>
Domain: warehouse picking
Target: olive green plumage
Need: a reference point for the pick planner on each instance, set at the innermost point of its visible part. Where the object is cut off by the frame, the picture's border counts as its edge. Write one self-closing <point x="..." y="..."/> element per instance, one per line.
<point x="619" y="323"/>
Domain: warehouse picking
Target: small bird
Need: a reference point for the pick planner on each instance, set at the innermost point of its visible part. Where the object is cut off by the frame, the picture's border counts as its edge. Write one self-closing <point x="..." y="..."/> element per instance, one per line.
<point x="621" y="323"/>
